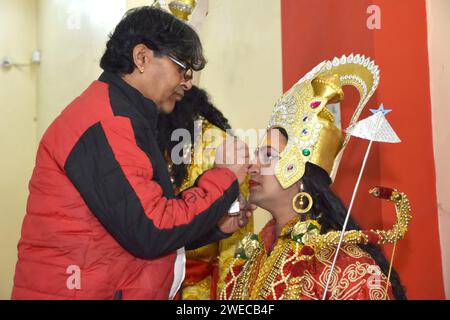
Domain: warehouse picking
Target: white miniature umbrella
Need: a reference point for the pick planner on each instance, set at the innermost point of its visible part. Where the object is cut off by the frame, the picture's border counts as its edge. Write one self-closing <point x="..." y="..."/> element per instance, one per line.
<point x="375" y="129"/>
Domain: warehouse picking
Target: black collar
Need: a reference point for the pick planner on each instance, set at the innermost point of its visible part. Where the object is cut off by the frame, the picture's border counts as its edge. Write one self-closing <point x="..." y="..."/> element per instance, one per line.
<point x="141" y="106"/>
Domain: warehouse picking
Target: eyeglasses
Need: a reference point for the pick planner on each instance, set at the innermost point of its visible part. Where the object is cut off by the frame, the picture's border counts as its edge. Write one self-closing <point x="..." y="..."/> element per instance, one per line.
<point x="266" y="156"/>
<point x="187" y="71"/>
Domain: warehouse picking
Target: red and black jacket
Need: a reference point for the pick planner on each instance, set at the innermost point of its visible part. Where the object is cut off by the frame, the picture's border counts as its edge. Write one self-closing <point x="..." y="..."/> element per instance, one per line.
<point x="101" y="199"/>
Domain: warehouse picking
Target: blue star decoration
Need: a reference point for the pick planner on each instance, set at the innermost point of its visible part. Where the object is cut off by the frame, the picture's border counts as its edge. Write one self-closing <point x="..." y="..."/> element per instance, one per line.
<point x="381" y="109"/>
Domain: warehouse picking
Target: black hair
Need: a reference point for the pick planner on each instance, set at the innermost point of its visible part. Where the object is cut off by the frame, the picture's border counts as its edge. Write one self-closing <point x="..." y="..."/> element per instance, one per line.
<point x="330" y="212"/>
<point x="194" y="106"/>
<point x="159" y="31"/>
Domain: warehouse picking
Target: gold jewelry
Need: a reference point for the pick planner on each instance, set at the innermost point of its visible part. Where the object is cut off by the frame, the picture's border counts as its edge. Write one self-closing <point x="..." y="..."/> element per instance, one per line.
<point x="255" y="279"/>
<point x="302" y="112"/>
<point x="141" y="70"/>
<point x="302" y="208"/>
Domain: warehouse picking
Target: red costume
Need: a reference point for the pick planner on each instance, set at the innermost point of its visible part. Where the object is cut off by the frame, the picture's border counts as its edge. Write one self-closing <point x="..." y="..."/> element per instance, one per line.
<point x="294" y="271"/>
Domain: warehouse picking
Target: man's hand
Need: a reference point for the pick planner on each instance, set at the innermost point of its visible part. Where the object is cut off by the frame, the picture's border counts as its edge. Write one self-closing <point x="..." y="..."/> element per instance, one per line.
<point x="233" y="154"/>
<point x="231" y="224"/>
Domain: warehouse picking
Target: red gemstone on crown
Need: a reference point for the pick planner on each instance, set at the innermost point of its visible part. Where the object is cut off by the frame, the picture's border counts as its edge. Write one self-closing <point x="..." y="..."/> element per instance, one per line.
<point x="315" y="104"/>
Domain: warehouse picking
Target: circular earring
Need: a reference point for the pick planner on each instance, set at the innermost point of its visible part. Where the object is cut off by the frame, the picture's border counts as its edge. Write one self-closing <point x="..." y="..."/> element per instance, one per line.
<point x="141" y="70"/>
<point x="302" y="201"/>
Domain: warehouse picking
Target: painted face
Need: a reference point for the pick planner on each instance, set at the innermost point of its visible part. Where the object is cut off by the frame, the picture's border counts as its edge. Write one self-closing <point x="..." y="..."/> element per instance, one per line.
<point x="265" y="190"/>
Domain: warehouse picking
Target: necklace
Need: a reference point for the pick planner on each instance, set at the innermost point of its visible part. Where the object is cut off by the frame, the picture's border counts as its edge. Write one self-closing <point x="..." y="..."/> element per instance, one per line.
<point x="262" y="275"/>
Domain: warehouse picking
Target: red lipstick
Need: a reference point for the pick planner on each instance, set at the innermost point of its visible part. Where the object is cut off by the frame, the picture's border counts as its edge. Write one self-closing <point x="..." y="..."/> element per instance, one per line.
<point x="253" y="183"/>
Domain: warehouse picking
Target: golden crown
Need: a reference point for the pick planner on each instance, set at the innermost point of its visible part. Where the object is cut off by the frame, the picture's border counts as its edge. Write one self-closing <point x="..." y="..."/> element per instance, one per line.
<point x="181" y="9"/>
<point x="302" y="112"/>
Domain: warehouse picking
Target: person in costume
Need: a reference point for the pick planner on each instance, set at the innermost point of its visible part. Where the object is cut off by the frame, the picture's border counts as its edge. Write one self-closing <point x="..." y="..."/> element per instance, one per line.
<point x="207" y="266"/>
<point x="291" y="258"/>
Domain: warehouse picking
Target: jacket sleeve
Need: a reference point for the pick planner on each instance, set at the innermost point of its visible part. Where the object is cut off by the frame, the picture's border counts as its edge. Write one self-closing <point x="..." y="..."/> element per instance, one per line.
<point x="213" y="235"/>
<point x="116" y="180"/>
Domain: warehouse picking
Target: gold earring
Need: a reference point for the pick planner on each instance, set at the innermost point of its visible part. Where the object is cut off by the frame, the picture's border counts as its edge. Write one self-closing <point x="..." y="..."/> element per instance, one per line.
<point x="142" y="70"/>
<point x="298" y="203"/>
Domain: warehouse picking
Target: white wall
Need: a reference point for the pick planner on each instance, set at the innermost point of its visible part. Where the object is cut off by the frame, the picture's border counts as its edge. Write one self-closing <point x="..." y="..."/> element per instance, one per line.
<point x="17" y="128"/>
<point x="438" y="14"/>
<point x="72" y="37"/>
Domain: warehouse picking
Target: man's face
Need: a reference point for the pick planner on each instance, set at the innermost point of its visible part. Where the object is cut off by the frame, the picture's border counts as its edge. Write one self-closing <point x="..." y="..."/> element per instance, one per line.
<point x="164" y="82"/>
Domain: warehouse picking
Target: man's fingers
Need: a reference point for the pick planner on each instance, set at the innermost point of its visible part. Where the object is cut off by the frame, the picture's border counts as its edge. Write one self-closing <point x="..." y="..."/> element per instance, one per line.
<point x="244" y="217"/>
<point x="250" y="207"/>
<point x="243" y="222"/>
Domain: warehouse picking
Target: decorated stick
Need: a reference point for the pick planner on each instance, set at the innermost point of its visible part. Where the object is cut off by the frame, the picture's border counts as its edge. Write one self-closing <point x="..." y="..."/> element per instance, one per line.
<point x="374" y="128"/>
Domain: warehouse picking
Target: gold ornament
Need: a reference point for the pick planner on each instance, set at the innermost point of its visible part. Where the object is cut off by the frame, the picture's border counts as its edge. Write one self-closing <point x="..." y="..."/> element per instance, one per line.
<point x="181" y="9"/>
<point x="301" y="111"/>
<point x="305" y="230"/>
<point x="302" y="208"/>
<point x="248" y="246"/>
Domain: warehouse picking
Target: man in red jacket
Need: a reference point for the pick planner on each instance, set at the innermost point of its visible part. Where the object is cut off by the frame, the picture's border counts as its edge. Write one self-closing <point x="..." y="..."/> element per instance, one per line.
<point x="102" y="220"/>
